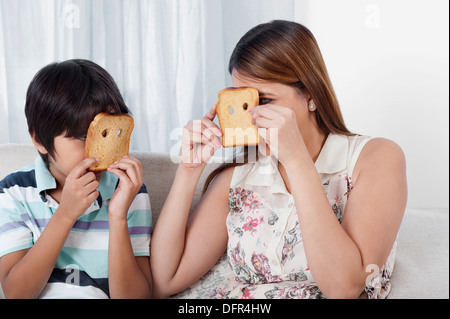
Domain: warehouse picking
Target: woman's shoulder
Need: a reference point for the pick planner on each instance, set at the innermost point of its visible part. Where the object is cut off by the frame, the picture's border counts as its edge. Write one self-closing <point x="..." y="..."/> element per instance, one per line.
<point x="380" y="155"/>
<point x="382" y="148"/>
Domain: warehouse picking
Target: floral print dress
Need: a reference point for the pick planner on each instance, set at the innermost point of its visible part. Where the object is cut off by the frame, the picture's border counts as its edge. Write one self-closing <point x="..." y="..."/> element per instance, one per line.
<point x="265" y="248"/>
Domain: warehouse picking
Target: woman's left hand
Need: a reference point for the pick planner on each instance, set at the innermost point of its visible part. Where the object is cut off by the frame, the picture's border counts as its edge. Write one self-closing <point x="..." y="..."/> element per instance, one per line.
<point x="130" y="173"/>
<point x="281" y="134"/>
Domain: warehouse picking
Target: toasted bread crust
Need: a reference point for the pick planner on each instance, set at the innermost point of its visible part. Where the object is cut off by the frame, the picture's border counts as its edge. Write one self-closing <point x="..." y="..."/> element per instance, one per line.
<point x="90" y="133"/>
<point x="90" y="139"/>
<point x="241" y="95"/>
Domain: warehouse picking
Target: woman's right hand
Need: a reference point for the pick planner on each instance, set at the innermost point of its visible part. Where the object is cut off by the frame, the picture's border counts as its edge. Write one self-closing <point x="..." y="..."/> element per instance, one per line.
<point x="201" y="139"/>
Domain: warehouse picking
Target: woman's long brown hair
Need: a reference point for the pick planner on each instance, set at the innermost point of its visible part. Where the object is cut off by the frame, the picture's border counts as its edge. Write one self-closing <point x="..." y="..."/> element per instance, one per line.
<point x="287" y="52"/>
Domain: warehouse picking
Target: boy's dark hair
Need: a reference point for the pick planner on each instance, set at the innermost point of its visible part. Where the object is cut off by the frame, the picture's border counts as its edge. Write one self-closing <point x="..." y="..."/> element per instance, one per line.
<point x="64" y="98"/>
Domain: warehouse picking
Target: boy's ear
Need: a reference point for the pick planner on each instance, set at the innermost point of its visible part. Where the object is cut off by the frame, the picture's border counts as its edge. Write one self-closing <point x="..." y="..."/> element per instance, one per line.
<point x="41" y="149"/>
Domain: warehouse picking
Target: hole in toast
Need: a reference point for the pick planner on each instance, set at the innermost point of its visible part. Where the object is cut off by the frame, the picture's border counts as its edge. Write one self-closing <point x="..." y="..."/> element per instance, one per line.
<point x="119" y="131"/>
<point x="105" y="133"/>
<point x="231" y="110"/>
<point x="245" y="106"/>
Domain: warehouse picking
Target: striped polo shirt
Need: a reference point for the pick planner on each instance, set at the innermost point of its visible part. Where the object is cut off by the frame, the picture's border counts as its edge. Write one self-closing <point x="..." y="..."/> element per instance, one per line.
<point x="81" y="270"/>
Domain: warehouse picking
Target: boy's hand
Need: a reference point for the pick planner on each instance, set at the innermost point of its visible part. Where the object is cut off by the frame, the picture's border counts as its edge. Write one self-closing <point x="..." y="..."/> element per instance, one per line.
<point x="80" y="190"/>
<point x="130" y="173"/>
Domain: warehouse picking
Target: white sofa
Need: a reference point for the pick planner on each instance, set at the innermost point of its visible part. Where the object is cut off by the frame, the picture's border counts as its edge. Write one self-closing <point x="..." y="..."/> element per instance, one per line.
<point x="422" y="261"/>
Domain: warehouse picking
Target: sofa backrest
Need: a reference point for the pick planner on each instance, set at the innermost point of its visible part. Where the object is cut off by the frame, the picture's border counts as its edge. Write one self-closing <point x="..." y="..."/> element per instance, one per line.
<point x="159" y="171"/>
<point x="14" y="157"/>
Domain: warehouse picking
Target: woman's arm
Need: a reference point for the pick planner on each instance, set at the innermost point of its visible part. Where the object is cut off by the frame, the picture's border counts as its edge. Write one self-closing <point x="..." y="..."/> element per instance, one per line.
<point x="338" y="254"/>
<point x="180" y="255"/>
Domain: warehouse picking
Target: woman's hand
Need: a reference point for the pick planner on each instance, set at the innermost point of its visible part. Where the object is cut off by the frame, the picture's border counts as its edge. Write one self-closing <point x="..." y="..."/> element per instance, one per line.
<point x="278" y="128"/>
<point x="201" y="139"/>
<point x="130" y="173"/>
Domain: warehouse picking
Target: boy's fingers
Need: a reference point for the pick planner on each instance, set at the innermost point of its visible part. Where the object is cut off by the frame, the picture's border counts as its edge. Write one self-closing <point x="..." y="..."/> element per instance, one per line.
<point x="93" y="196"/>
<point x="81" y="168"/>
<point x="129" y="162"/>
<point x="128" y="170"/>
<point x="123" y="177"/>
<point x="131" y="168"/>
<point x="91" y="187"/>
<point x="86" y="178"/>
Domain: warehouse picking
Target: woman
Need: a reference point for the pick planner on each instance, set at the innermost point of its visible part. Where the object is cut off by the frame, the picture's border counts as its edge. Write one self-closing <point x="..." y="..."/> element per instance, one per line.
<point x="316" y="216"/>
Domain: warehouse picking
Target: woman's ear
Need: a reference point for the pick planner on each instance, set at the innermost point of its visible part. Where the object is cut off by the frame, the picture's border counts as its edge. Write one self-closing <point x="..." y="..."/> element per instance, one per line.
<point x="41" y="149"/>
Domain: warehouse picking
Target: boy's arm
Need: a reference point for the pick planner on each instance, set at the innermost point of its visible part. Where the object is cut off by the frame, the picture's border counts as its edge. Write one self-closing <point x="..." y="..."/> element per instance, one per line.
<point x="129" y="276"/>
<point x="25" y="273"/>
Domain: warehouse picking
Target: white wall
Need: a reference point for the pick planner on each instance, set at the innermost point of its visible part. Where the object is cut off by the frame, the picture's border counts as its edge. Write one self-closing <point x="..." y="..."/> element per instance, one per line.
<point x="389" y="63"/>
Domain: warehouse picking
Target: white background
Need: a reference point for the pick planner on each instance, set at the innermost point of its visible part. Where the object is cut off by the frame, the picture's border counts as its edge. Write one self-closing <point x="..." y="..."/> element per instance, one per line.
<point x="389" y="63"/>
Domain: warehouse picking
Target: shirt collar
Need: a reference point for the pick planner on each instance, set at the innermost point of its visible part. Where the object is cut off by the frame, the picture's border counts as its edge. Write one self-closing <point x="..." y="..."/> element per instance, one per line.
<point x="332" y="159"/>
<point x="45" y="180"/>
<point x="265" y="173"/>
<point x="108" y="184"/>
<point x="333" y="156"/>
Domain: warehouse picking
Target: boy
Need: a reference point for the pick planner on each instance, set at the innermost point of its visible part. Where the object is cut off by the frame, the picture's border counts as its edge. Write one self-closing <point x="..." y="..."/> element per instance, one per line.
<point x="66" y="232"/>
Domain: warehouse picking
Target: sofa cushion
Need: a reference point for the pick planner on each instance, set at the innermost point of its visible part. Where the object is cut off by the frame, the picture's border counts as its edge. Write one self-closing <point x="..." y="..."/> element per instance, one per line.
<point x="421" y="268"/>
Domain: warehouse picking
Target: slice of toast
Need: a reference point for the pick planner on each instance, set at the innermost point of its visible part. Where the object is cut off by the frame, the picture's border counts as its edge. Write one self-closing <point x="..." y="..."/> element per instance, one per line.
<point x="234" y="119"/>
<point x="108" y="139"/>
